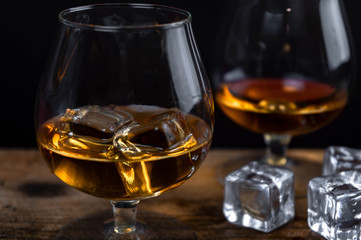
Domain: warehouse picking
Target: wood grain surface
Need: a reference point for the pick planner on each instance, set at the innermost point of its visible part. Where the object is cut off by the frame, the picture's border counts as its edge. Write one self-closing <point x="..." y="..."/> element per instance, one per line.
<point x="36" y="205"/>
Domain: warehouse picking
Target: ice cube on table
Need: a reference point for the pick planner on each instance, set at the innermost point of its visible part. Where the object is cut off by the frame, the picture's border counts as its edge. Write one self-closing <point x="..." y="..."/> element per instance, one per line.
<point x="157" y="134"/>
<point x="259" y="196"/>
<point x="338" y="159"/>
<point x="334" y="205"/>
<point x="94" y="122"/>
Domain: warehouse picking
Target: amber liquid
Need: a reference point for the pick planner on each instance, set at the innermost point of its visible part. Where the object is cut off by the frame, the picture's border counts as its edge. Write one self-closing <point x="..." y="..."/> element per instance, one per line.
<point x="281" y="106"/>
<point x="100" y="170"/>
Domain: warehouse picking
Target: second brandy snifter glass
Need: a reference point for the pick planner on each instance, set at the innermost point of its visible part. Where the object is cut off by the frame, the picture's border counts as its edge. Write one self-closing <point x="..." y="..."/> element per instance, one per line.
<point x="284" y="68"/>
<point x="124" y="109"/>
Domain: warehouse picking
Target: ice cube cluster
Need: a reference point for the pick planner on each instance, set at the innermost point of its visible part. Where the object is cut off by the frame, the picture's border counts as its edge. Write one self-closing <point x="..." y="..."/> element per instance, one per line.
<point x="136" y="131"/>
<point x="334" y="199"/>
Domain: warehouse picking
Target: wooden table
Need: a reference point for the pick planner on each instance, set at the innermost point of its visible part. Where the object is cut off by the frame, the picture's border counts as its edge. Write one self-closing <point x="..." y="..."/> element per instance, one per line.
<point x="36" y="205"/>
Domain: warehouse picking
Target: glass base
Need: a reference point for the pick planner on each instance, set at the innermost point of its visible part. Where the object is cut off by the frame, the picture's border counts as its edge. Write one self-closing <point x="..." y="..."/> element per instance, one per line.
<point x="303" y="168"/>
<point x="150" y="225"/>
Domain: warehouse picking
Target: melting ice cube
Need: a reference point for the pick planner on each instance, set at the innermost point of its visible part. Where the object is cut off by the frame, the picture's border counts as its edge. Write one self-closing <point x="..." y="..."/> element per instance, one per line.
<point x="334" y="205"/>
<point x="94" y="122"/>
<point x="259" y="196"/>
<point x="156" y="134"/>
<point x="338" y="159"/>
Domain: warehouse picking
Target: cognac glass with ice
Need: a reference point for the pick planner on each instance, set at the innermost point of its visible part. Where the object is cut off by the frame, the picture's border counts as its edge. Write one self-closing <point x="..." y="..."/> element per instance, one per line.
<point x="124" y="109"/>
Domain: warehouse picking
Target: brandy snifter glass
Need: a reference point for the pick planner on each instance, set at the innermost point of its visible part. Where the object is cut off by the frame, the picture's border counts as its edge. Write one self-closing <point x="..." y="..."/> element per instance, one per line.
<point x="124" y="109"/>
<point x="284" y="69"/>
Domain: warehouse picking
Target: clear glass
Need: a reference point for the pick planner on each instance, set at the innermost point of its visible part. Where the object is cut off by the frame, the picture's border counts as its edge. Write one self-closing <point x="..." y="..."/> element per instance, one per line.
<point x="283" y="68"/>
<point x="124" y="109"/>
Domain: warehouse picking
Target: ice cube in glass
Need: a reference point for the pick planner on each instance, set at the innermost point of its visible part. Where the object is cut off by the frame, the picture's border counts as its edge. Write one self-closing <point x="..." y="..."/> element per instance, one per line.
<point x="95" y="123"/>
<point x="334" y="205"/>
<point x="338" y="159"/>
<point x="259" y="196"/>
<point x="158" y="134"/>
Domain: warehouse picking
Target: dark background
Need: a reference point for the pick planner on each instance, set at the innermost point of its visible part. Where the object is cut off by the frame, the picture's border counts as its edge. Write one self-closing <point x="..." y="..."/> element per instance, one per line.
<point x="27" y="31"/>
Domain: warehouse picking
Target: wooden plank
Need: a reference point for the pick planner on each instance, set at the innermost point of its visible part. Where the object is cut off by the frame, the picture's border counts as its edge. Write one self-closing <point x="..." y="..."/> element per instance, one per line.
<point x="36" y="205"/>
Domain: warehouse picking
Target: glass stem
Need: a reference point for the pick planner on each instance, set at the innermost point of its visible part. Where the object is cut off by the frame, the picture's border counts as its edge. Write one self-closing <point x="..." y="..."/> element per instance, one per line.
<point x="276" y="148"/>
<point x="124" y="216"/>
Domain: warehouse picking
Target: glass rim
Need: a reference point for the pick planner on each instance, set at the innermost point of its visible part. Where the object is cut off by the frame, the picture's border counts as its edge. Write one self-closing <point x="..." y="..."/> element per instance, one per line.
<point x="171" y="24"/>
